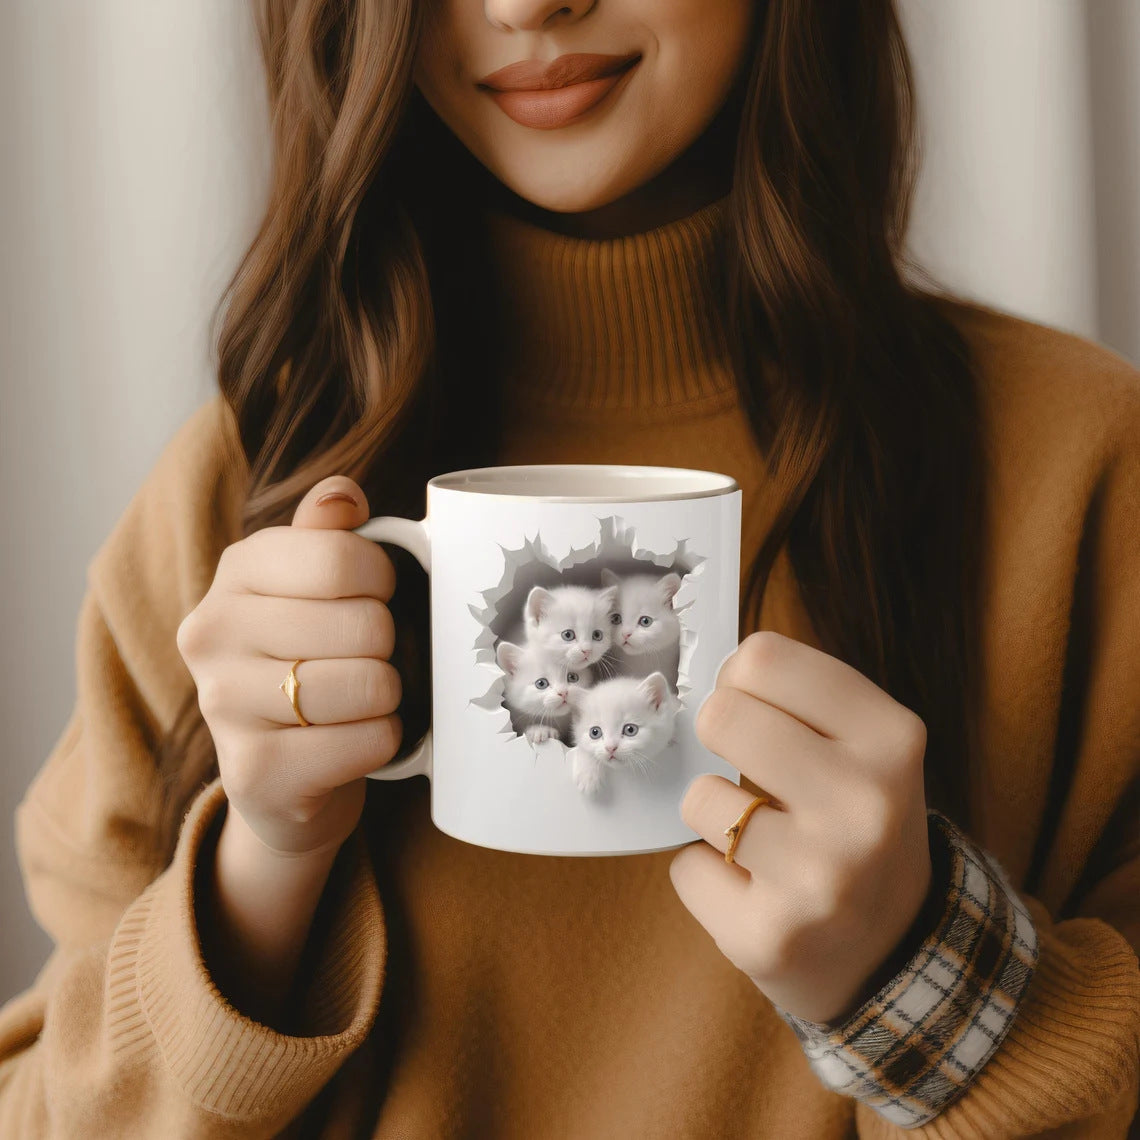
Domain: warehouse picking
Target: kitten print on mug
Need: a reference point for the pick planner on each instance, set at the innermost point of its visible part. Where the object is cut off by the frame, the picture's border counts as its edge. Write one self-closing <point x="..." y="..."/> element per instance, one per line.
<point x="623" y="722"/>
<point x="645" y="628"/>
<point x="573" y="621"/>
<point x="538" y="689"/>
<point x="596" y="668"/>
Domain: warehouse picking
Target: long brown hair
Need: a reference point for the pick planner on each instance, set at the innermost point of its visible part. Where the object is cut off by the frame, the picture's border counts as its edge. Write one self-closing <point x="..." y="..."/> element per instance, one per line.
<point x="349" y="343"/>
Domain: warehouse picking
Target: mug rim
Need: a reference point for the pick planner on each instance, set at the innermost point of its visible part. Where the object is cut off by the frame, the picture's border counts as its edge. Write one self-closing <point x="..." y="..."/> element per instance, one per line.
<point x="463" y="482"/>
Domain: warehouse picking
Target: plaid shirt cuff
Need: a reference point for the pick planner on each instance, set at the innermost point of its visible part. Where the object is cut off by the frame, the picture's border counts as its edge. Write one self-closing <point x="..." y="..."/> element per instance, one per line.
<point x="917" y="1044"/>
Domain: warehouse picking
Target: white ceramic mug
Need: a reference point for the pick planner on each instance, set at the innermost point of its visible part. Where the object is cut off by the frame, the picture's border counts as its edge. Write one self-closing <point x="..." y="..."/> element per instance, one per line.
<point x="528" y="567"/>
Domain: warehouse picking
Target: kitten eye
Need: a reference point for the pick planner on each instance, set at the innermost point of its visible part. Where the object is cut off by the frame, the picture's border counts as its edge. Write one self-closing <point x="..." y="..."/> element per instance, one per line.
<point x="572" y="678"/>
<point x="629" y="730"/>
<point x="645" y="621"/>
<point x="597" y="635"/>
<point x="568" y="635"/>
<point x="542" y="683"/>
<point x="595" y="733"/>
<point x="615" y="619"/>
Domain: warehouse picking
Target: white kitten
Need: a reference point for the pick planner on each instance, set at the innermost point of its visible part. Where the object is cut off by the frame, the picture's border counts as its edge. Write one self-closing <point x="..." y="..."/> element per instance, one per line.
<point x="538" y="685"/>
<point x="625" y="721"/>
<point x="646" y="630"/>
<point x="571" y="620"/>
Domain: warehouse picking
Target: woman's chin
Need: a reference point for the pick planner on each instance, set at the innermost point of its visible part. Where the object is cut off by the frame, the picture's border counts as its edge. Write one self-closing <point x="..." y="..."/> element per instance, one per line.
<point x="569" y="188"/>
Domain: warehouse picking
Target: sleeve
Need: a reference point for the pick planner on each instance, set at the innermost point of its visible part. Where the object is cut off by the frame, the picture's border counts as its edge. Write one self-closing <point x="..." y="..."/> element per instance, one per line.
<point x="123" y="1031"/>
<point x="1012" y="1020"/>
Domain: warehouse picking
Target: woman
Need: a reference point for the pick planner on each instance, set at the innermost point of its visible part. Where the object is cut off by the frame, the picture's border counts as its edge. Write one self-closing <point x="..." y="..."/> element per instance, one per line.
<point x="685" y="252"/>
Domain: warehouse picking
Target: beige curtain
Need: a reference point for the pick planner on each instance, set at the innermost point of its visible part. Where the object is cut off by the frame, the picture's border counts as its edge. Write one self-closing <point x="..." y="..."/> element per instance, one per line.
<point x="134" y="160"/>
<point x="1030" y="196"/>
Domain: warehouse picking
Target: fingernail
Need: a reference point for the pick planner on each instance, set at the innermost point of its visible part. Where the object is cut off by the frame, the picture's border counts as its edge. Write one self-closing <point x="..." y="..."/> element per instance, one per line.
<point x="333" y="496"/>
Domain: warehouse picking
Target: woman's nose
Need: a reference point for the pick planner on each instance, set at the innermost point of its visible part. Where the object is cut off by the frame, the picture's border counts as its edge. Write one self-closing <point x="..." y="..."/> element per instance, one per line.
<point x="531" y="15"/>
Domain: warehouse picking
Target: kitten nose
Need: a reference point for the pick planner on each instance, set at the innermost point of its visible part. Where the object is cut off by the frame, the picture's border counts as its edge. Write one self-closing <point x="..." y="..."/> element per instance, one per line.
<point x="562" y="694"/>
<point x="611" y="748"/>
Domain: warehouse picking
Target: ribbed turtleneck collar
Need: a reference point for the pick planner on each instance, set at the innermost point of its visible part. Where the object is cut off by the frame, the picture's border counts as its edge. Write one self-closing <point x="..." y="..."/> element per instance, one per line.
<point x="627" y="322"/>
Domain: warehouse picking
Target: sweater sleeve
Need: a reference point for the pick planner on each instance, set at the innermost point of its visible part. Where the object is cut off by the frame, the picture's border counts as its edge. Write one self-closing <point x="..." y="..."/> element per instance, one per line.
<point x="1015" y="1019"/>
<point x="132" y="1037"/>
<point x="123" y="1031"/>
<point x="992" y="983"/>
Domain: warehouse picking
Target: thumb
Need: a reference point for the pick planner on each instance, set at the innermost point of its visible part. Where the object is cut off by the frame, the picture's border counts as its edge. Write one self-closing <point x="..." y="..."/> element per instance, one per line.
<point x="335" y="503"/>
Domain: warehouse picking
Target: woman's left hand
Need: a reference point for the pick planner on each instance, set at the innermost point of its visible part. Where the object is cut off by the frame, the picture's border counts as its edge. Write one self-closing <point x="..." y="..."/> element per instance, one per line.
<point x="825" y="886"/>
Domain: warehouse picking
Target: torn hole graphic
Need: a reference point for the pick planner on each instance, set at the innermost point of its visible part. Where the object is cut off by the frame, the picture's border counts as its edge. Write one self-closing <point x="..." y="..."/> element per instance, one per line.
<point x="591" y="649"/>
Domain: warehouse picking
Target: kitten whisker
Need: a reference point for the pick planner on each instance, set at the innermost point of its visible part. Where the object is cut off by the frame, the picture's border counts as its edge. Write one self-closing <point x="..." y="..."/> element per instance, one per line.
<point x="642" y="761"/>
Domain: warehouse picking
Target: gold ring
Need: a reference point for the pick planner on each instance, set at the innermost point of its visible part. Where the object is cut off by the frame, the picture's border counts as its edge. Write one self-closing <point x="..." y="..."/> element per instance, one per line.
<point x="289" y="687"/>
<point x="733" y="830"/>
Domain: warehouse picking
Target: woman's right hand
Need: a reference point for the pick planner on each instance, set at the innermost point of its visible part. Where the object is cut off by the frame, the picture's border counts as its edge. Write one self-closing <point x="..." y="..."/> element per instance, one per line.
<point x="312" y="591"/>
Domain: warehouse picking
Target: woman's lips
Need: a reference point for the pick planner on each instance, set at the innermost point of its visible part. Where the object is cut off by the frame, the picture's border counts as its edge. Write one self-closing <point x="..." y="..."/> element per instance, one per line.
<point x="549" y="96"/>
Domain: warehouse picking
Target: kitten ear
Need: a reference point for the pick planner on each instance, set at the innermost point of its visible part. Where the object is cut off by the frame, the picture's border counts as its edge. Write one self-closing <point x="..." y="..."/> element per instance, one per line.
<point x="508" y="655"/>
<point x="655" y="689"/>
<point x="609" y="578"/>
<point x="668" y="586"/>
<point x="538" y="601"/>
<point x="609" y="598"/>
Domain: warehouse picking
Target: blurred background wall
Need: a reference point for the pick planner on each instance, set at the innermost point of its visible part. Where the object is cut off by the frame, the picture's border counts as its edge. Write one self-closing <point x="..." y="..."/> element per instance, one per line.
<point x="133" y="158"/>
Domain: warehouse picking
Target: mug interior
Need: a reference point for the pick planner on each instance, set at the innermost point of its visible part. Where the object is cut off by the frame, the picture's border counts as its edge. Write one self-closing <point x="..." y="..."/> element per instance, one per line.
<point x="587" y="482"/>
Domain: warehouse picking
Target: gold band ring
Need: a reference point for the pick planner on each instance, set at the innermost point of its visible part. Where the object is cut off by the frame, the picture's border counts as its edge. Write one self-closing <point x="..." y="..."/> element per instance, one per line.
<point x="289" y="687"/>
<point x="733" y="830"/>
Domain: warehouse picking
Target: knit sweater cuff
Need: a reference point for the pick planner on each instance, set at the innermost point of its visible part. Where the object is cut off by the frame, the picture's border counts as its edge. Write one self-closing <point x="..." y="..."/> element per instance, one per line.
<point x="923" y="1038"/>
<point x="160" y="992"/>
<point x="1070" y="1062"/>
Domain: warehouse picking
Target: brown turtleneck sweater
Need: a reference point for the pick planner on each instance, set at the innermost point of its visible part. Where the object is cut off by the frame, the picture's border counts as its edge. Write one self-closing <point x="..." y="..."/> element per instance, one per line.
<point x="478" y="993"/>
<point x="617" y="353"/>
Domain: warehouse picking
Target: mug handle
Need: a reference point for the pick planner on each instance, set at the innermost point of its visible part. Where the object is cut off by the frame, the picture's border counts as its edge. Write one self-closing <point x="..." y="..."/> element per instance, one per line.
<point x="413" y="536"/>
